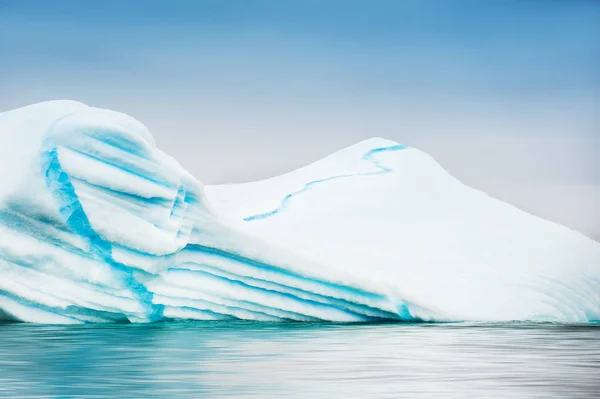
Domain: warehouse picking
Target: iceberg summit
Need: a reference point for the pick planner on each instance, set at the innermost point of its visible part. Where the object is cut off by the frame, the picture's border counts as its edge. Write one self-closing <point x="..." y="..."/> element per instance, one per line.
<point x="98" y="225"/>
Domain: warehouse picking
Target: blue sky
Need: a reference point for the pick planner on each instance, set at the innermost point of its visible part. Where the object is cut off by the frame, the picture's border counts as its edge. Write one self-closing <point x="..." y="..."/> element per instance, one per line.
<point x="505" y="94"/>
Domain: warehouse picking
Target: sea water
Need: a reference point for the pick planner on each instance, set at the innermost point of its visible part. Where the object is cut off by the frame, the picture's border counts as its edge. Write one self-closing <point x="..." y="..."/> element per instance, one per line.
<point x="299" y="360"/>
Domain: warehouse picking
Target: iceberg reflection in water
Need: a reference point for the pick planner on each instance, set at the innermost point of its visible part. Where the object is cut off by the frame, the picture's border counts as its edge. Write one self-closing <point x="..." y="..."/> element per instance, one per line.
<point x="300" y="360"/>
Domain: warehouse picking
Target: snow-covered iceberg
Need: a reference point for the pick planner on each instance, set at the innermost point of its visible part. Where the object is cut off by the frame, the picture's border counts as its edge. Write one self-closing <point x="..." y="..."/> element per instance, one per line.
<point x="98" y="225"/>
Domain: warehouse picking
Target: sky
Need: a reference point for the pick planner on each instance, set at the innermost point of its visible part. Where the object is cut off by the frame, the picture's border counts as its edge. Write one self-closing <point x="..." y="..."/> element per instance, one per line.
<point x="505" y="94"/>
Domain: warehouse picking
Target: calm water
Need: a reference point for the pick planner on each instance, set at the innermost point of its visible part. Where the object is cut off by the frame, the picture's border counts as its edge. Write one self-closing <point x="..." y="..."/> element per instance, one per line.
<point x="205" y="360"/>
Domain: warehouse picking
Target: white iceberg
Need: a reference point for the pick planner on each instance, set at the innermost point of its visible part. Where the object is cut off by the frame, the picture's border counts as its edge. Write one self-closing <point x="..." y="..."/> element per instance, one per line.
<point x="99" y="225"/>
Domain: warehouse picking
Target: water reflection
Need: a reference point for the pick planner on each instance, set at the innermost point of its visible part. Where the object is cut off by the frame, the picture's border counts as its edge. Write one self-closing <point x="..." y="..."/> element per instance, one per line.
<point x="243" y="359"/>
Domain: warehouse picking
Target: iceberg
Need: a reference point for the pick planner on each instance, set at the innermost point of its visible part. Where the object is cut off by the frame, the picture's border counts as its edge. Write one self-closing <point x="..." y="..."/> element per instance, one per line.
<point x="98" y="225"/>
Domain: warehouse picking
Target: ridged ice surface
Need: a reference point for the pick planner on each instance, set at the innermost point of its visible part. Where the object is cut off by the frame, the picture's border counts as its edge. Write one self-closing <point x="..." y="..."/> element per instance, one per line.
<point x="98" y="225"/>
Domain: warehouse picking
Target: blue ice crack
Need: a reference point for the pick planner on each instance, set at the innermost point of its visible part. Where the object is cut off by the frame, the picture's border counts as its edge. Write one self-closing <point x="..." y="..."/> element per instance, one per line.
<point x="369" y="156"/>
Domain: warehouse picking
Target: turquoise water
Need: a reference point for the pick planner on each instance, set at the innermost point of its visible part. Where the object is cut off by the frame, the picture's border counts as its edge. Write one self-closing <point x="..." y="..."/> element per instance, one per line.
<point x="262" y="360"/>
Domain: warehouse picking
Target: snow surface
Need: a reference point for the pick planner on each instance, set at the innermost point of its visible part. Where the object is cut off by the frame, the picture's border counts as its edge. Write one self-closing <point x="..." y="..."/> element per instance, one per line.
<point x="98" y="225"/>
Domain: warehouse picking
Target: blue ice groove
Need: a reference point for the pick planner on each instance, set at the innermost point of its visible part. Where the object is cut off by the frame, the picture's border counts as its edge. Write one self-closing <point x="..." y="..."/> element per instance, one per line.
<point x="74" y="313"/>
<point x="299" y="292"/>
<point x="59" y="183"/>
<point x="272" y="293"/>
<point x="369" y="156"/>
<point x="281" y="271"/>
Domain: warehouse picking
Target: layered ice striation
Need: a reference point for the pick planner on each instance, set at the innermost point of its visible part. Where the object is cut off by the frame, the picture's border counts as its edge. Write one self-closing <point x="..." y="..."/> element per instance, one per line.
<point x="98" y="225"/>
